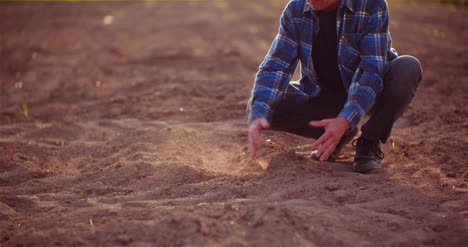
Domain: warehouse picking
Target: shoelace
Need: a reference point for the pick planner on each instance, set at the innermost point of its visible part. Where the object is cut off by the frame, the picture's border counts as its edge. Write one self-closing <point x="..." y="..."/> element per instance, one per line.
<point x="370" y="145"/>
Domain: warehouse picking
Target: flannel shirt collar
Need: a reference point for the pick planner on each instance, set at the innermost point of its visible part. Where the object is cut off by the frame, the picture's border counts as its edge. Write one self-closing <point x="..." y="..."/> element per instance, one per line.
<point x="347" y="3"/>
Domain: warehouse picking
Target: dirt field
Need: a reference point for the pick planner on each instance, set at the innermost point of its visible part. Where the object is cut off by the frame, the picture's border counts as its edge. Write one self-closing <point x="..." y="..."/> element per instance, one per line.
<point x="136" y="134"/>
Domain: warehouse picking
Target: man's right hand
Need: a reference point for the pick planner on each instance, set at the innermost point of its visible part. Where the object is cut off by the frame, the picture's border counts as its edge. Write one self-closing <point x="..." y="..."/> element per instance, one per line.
<point x="255" y="132"/>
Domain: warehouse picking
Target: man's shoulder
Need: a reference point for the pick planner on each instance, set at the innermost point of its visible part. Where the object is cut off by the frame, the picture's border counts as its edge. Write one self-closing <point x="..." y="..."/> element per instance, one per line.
<point x="295" y="7"/>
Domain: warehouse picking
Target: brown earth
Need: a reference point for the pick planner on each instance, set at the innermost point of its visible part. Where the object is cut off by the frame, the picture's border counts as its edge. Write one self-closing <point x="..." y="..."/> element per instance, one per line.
<point x="136" y="134"/>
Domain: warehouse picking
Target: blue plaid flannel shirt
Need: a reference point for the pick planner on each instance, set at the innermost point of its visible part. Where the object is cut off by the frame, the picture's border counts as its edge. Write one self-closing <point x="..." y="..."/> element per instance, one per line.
<point x="364" y="47"/>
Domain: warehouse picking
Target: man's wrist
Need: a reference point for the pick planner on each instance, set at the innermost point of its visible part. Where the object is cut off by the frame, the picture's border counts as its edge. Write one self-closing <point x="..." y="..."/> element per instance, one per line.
<point x="344" y="121"/>
<point x="351" y="114"/>
<point x="259" y="111"/>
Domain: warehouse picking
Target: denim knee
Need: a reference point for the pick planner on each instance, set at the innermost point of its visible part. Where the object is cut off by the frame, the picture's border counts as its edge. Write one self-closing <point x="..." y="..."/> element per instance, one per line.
<point x="409" y="66"/>
<point x="402" y="76"/>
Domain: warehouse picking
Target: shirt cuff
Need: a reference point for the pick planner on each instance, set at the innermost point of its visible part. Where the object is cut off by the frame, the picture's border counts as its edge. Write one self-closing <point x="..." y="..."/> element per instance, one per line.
<point x="260" y="111"/>
<point x="353" y="113"/>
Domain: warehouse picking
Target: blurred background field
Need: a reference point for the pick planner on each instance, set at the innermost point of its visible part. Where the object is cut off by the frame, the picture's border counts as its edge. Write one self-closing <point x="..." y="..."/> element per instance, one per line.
<point x="123" y="123"/>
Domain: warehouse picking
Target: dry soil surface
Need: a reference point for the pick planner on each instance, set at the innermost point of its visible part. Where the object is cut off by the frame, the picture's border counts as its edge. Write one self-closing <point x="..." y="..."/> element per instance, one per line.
<point x="136" y="133"/>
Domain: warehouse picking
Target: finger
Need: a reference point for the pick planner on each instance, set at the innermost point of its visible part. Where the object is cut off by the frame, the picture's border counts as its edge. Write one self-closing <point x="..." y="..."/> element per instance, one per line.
<point x="256" y="136"/>
<point x="327" y="149"/>
<point x="320" y="123"/>
<point x="257" y="140"/>
<point x="252" y="142"/>
<point x="321" y="151"/>
<point x="322" y="139"/>
<point x="252" y="148"/>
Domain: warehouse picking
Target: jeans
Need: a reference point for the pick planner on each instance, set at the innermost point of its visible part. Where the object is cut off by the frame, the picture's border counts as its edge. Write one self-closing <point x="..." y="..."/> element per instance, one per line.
<point x="401" y="79"/>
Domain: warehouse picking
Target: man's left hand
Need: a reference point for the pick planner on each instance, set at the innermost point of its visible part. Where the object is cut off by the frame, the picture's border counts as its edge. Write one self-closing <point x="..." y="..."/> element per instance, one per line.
<point x="334" y="130"/>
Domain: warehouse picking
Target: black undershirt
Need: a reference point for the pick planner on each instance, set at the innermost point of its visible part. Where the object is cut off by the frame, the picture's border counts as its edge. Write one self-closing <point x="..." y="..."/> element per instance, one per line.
<point x="325" y="53"/>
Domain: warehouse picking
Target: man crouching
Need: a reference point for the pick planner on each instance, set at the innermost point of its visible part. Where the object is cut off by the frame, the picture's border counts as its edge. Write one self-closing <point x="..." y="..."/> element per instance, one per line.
<point x="348" y="69"/>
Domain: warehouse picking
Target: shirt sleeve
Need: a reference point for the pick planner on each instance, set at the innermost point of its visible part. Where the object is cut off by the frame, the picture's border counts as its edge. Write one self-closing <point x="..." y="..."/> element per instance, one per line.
<point x="367" y="81"/>
<point x="276" y="70"/>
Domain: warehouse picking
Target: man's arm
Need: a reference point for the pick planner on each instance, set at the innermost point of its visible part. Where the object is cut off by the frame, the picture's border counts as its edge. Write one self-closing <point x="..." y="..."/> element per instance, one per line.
<point x="277" y="68"/>
<point x="367" y="81"/>
<point x="273" y="77"/>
